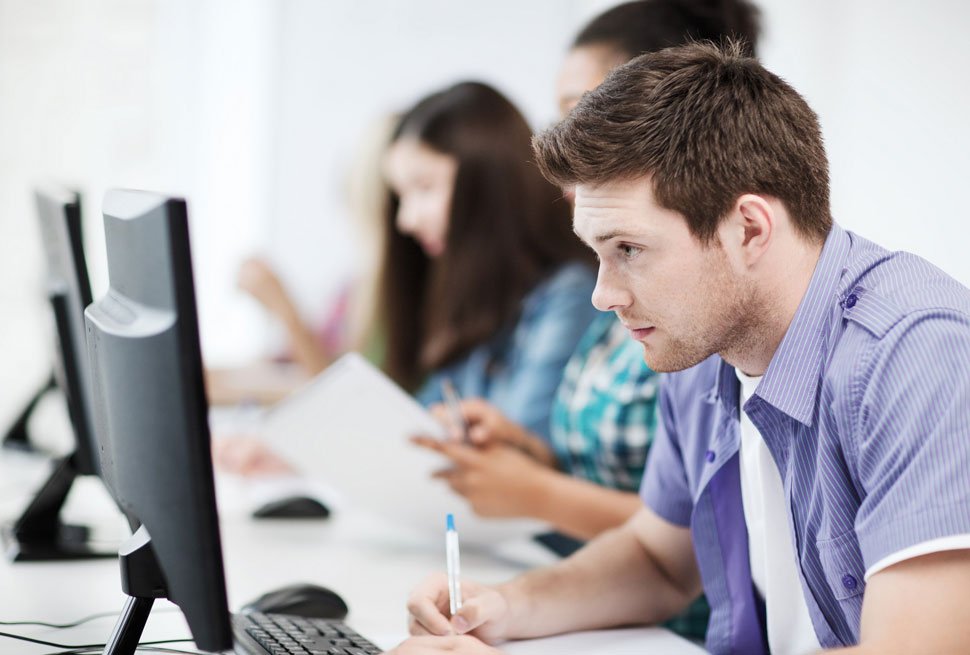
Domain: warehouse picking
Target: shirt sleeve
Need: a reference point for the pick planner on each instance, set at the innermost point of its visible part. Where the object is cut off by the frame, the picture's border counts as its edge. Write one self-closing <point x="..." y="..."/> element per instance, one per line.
<point x="943" y="544"/>
<point x="547" y="334"/>
<point x="665" y="489"/>
<point x="913" y="454"/>
<point x="430" y="392"/>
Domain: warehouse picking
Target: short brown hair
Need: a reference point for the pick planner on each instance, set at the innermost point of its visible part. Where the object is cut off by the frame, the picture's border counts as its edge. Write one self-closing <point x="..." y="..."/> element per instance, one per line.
<point x="708" y="125"/>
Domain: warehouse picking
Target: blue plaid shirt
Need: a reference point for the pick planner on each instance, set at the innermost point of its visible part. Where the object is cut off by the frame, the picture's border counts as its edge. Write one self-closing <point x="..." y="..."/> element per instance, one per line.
<point x="865" y="408"/>
<point x="519" y="369"/>
<point x="604" y="416"/>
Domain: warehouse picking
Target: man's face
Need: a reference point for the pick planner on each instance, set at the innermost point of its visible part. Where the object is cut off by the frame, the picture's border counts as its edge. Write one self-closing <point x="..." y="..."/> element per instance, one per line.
<point x="681" y="300"/>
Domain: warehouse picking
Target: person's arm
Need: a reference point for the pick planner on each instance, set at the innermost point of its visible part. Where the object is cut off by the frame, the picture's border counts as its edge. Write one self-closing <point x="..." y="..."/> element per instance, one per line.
<point x="259" y="280"/>
<point x="304" y="346"/>
<point x="581" y="508"/>
<point x="547" y="334"/>
<point x="499" y="481"/>
<point x="920" y="605"/>
<point x="641" y="573"/>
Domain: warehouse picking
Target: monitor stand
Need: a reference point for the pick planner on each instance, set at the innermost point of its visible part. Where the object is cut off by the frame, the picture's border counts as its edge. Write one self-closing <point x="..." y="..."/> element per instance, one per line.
<point x="142" y="579"/>
<point x="39" y="535"/>
<point x="17" y="436"/>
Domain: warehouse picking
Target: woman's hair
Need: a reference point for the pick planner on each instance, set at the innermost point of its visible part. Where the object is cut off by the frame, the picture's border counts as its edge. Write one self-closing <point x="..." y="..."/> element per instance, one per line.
<point x="366" y="192"/>
<point x="634" y="28"/>
<point x="508" y="228"/>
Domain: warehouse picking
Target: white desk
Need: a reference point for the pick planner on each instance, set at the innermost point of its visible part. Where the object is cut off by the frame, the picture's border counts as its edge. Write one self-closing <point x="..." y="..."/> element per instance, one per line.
<point x="372" y="565"/>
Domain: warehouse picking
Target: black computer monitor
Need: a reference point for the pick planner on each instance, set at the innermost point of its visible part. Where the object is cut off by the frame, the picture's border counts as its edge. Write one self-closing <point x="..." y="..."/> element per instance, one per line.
<point x="151" y="420"/>
<point x="39" y="534"/>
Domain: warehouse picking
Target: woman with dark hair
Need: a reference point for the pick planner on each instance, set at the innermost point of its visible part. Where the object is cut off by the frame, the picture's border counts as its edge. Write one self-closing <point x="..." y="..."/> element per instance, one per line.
<point x="483" y="282"/>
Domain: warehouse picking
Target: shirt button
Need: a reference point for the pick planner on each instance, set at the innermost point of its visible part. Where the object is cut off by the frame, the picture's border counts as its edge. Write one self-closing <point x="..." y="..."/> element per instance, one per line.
<point x="851" y="301"/>
<point x="710" y="456"/>
<point x="849" y="582"/>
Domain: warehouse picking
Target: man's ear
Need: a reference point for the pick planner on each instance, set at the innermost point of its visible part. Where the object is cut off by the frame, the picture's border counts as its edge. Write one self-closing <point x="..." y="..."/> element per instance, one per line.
<point x="752" y="224"/>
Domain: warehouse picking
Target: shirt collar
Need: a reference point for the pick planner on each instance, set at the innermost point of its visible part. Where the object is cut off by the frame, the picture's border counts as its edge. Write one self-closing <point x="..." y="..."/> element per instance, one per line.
<point x="793" y="379"/>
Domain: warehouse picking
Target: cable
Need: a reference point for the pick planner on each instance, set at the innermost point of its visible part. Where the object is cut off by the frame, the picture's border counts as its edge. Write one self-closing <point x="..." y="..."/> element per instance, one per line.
<point x="139" y="649"/>
<point x="83" y="647"/>
<point x="73" y="624"/>
<point x="48" y="643"/>
<point x="59" y="626"/>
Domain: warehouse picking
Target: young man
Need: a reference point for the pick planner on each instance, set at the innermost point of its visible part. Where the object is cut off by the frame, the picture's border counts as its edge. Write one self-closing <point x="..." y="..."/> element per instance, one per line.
<point x="812" y="472"/>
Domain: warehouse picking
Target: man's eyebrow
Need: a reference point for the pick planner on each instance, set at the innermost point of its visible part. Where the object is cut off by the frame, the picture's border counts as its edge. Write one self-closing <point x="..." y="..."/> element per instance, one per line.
<point x="612" y="234"/>
<point x="604" y="237"/>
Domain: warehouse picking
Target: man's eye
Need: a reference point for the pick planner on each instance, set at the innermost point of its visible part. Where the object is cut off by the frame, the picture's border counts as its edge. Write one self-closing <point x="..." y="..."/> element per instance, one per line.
<point x="628" y="251"/>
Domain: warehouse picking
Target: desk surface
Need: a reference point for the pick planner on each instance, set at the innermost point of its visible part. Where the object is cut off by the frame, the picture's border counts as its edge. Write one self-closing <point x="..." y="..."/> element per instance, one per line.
<point x="371" y="564"/>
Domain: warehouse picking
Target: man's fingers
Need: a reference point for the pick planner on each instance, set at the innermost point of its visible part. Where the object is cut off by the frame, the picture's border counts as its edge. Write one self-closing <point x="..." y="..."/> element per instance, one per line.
<point x="423" y="607"/>
<point x="415" y="628"/>
<point x="476" y="611"/>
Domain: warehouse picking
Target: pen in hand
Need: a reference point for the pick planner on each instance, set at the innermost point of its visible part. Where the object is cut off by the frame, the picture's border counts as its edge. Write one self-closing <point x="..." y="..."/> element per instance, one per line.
<point x="453" y="401"/>
<point x="454" y="566"/>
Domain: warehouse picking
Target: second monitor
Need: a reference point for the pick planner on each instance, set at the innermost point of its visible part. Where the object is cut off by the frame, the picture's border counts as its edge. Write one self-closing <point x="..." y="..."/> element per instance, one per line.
<point x="151" y="421"/>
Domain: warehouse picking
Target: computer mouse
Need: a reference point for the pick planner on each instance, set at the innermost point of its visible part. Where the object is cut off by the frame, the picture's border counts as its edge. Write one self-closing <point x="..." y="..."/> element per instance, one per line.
<point x="292" y="507"/>
<point x="306" y="600"/>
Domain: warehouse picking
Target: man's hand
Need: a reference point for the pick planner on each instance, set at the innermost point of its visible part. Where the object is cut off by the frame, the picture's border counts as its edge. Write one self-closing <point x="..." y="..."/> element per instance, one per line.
<point x="462" y="644"/>
<point x="484" y="612"/>
<point x="497" y="481"/>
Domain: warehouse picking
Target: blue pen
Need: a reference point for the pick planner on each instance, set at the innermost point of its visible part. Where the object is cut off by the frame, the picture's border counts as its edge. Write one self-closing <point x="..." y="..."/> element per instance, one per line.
<point x="454" y="566"/>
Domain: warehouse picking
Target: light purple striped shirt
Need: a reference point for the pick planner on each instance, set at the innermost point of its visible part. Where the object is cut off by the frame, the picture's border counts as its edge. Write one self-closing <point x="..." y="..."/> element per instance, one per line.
<point x="865" y="408"/>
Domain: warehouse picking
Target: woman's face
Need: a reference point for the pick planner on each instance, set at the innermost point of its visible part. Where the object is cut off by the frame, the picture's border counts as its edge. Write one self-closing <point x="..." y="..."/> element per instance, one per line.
<point x="423" y="179"/>
<point x="583" y="69"/>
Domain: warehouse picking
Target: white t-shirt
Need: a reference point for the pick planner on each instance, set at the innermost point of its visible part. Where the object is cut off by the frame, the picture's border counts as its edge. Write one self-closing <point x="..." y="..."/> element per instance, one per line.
<point x="771" y="552"/>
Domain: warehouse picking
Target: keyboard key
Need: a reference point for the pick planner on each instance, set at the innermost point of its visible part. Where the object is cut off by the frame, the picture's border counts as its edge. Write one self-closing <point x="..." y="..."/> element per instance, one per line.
<point x="293" y="635"/>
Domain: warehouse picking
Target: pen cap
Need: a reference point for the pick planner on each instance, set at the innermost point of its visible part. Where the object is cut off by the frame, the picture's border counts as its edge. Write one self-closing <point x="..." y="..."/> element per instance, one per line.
<point x="451" y="522"/>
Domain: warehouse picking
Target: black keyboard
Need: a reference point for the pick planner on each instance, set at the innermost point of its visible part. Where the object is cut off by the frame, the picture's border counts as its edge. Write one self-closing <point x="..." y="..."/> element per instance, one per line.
<point x="282" y="634"/>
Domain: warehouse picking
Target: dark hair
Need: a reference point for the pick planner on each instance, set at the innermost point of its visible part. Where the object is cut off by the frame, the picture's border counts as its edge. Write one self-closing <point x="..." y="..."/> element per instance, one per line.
<point x="634" y="28"/>
<point x="508" y="229"/>
<point x="707" y="124"/>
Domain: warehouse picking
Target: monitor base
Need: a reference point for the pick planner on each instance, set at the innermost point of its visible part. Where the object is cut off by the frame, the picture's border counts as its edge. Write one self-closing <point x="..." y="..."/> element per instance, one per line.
<point x="71" y="542"/>
<point x="17" y="437"/>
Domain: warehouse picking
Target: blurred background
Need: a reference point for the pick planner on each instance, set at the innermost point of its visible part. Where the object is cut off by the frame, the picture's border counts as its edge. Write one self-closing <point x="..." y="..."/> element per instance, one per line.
<point x="253" y="110"/>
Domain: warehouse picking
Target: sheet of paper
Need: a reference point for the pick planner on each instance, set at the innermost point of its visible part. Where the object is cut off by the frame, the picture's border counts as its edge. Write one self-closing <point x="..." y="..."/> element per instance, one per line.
<point x="628" y="641"/>
<point x="349" y="428"/>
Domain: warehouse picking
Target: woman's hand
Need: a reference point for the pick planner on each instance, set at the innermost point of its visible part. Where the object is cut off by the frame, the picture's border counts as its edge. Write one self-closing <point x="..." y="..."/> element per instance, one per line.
<point x="488" y="426"/>
<point x="497" y="481"/>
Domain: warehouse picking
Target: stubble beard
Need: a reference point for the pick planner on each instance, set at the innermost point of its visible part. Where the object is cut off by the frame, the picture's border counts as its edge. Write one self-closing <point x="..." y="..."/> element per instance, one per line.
<point x="729" y="324"/>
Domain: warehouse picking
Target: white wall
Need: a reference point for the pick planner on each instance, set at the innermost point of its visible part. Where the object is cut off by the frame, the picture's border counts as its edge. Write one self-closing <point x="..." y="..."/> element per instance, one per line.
<point x="252" y="108"/>
<point x="343" y="65"/>
<point x="889" y="82"/>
